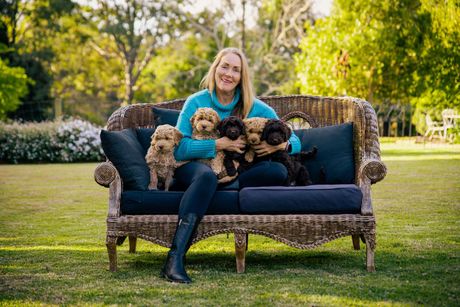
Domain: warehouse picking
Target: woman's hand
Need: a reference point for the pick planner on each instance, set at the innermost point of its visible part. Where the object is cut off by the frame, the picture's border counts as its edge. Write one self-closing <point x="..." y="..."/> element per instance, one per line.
<point x="225" y="143"/>
<point x="264" y="148"/>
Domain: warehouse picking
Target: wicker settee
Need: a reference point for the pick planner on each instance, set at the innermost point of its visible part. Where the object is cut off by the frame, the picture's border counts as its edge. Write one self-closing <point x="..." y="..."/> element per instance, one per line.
<point x="298" y="230"/>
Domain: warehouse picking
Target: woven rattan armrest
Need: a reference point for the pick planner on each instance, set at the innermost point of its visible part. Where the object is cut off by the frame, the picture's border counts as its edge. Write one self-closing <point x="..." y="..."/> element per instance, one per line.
<point x="371" y="171"/>
<point x="107" y="176"/>
<point x="105" y="173"/>
<point x="374" y="169"/>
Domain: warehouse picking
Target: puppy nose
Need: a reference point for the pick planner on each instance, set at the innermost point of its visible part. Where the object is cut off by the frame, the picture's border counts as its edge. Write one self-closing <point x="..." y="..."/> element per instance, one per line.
<point x="160" y="146"/>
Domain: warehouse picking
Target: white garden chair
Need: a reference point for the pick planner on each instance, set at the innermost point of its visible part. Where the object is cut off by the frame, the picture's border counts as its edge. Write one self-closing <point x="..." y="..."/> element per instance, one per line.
<point x="448" y="120"/>
<point x="433" y="128"/>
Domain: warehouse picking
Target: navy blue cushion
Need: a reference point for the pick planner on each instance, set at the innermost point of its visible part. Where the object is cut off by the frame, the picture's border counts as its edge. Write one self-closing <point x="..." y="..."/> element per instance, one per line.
<point x="144" y="136"/>
<point x="125" y="152"/>
<point x="334" y="161"/>
<point x="312" y="199"/>
<point x="161" y="202"/>
<point x="230" y="186"/>
<point x="163" y="116"/>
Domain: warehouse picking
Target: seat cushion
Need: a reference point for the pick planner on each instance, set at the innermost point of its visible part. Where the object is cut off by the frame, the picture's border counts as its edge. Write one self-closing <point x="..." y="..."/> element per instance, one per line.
<point x="125" y="152"/>
<point x="161" y="202"/>
<point x="162" y="116"/>
<point x="313" y="199"/>
<point x="334" y="162"/>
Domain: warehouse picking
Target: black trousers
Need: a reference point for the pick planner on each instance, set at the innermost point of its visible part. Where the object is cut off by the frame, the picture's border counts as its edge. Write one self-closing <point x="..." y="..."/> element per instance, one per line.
<point x="200" y="183"/>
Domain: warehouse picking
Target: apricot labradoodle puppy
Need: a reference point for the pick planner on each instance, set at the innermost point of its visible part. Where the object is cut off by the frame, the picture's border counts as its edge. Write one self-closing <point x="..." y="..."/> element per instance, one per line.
<point x="204" y="124"/>
<point x="160" y="156"/>
<point x="254" y="127"/>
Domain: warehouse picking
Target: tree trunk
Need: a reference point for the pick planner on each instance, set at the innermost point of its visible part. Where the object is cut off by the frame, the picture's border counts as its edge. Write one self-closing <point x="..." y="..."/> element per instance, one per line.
<point x="129" y="84"/>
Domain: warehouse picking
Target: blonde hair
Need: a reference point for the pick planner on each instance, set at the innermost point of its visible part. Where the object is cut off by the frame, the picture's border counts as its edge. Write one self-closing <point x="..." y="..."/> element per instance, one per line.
<point x="246" y="90"/>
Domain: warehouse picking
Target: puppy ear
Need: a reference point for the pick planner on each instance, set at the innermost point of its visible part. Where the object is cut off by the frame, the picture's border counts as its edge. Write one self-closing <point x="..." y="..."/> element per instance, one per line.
<point x="220" y="127"/>
<point x="286" y="129"/>
<point x="242" y="126"/>
<point x="177" y="136"/>
<point x="217" y="120"/>
<point x="266" y="130"/>
<point x="153" y="139"/>
<point x="192" y="119"/>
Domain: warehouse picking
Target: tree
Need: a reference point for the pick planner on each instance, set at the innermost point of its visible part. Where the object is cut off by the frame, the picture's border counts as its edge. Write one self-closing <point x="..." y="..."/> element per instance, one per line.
<point x="28" y="29"/>
<point x="13" y="85"/>
<point x="269" y="44"/>
<point x="388" y="52"/>
<point x="88" y="88"/>
<point x="137" y="28"/>
<point x="273" y="42"/>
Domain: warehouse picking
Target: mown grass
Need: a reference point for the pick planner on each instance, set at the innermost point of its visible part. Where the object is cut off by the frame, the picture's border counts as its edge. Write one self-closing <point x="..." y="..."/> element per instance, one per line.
<point x="52" y="236"/>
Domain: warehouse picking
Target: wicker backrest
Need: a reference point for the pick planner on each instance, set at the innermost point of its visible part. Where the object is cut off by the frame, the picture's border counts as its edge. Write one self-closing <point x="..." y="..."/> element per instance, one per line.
<point x="324" y="111"/>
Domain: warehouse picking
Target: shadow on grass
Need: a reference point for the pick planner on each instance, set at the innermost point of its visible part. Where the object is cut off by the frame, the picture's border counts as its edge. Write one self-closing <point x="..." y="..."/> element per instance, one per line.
<point x="292" y="276"/>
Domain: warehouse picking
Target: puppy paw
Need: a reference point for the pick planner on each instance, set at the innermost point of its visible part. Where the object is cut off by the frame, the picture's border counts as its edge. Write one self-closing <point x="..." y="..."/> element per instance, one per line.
<point x="249" y="156"/>
<point x="152" y="187"/>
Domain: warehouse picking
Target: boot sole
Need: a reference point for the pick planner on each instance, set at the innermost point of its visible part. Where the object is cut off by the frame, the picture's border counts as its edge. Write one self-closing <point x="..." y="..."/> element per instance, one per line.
<point x="176" y="281"/>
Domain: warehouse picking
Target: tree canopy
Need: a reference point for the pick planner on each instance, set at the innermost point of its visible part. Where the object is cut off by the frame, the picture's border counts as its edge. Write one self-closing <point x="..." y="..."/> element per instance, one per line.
<point x="86" y="58"/>
<point x="388" y="52"/>
<point x="13" y="86"/>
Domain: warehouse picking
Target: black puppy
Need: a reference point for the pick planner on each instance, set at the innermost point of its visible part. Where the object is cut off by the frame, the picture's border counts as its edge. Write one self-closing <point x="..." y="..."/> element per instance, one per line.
<point x="276" y="132"/>
<point x="231" y="127"/>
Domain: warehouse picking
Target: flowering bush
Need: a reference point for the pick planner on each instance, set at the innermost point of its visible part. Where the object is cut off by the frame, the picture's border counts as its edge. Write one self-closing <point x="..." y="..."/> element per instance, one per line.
<point x="72" y="140"/>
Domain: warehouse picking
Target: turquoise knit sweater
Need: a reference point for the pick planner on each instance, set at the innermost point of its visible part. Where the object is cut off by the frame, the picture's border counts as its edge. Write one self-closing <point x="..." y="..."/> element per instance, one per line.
<point x="203" y="149"/>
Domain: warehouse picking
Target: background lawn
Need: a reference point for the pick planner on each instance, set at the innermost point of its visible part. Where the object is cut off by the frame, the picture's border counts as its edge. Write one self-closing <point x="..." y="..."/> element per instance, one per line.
<point x="52" y="246"/>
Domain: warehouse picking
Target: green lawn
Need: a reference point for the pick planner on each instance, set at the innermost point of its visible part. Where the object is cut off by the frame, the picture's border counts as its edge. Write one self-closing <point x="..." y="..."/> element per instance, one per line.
<point x="52" y="246"/>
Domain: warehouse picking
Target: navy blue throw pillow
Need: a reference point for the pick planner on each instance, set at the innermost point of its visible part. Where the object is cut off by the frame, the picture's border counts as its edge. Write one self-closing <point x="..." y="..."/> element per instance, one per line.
<point x="125" y="152"/>
<point x="163" y="116"/>
<point x="334" y="161"/>
<point x="144" y="136"/>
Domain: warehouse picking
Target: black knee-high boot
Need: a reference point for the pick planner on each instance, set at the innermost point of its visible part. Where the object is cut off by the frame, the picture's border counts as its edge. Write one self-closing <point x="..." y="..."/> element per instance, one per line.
<point x="173" y="269"/>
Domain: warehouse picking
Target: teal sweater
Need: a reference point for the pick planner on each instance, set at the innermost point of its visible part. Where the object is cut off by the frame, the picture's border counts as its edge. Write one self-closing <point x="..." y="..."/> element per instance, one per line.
<point x="203" y="149"/>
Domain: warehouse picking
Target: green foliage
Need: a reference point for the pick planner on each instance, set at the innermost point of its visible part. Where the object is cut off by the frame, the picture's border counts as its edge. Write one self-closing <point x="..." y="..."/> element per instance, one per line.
<point x="388" y="52"/>
<point x="59" y="141"/>
<point x="29" y="29"/>
<point x="175" y="71"/>
<point x="13" y="86"/>
<point x="89" y="89"/>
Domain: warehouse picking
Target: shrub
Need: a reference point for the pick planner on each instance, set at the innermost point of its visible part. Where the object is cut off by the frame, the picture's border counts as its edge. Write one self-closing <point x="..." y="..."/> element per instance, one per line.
<point x="72" y="140"/>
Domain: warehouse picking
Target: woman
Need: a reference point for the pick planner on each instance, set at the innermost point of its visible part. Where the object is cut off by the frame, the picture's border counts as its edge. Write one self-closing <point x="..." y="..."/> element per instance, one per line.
<point x="228" y="90"/>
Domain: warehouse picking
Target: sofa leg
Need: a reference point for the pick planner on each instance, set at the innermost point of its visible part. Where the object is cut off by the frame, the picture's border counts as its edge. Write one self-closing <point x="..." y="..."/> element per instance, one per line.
<point x="370" y="257"/>
<point x="132" y="244"/>
<point x="240" y="251"/>
<point x="111" y="244"/>
<point x="355" y="239"/>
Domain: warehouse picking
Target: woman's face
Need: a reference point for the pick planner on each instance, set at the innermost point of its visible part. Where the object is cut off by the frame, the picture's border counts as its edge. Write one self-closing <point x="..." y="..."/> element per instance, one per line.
<point x="228" y="73"/>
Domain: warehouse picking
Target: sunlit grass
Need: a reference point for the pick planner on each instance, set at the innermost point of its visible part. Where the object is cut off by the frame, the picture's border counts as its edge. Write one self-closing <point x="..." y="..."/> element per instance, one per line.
<point x="52" y="246"/>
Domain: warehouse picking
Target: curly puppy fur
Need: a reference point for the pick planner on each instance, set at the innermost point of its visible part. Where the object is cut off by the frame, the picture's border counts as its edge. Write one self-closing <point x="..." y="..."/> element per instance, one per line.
<point x="276" y="132"/>
<point x="204" y="124"/>
<point x="231" y="127"/>
<point x="254" y="127"/>
<point x="160" y="156"/>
